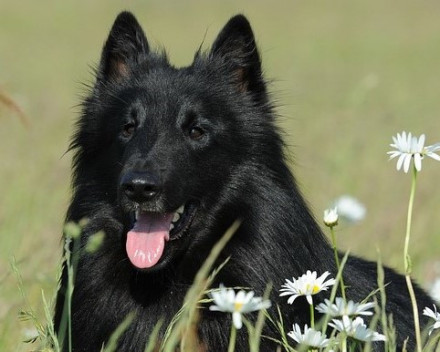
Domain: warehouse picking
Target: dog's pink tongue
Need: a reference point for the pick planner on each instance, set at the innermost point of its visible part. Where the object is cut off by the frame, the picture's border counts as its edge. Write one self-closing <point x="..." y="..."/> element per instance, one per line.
<point x="146" y="241"/>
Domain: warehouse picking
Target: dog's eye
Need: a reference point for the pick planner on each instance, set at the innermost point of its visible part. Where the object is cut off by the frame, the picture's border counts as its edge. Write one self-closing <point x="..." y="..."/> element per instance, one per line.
<point x="196" y="132"/>
<point x="128" y="129"/>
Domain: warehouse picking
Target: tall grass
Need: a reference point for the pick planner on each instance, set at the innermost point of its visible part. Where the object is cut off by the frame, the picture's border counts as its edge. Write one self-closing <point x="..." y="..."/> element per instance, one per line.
<point x="181" y="333"/>
<point x="8" y="102"/>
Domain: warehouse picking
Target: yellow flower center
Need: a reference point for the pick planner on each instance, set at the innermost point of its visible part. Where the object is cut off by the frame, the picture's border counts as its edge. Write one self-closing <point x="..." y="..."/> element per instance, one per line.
<point x="315" y="288"/>
<point x="238" y="306"/>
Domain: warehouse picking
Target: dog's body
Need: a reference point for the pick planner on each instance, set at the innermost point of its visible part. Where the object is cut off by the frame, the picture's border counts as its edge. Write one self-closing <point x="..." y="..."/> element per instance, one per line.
<point x="153" y="138"/>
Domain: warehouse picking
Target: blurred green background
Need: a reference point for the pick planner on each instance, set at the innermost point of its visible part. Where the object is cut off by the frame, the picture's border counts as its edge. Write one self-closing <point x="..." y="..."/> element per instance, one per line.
<point x="346" y="75"/>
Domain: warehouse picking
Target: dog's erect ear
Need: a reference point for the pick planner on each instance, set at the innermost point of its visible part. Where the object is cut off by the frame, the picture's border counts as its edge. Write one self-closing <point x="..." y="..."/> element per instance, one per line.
<point x="236" y="46"/>
<point x="126" y="45"/>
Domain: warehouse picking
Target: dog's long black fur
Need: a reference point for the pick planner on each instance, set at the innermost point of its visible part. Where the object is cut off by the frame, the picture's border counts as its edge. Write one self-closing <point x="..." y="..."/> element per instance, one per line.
<point x="203" y="136"/>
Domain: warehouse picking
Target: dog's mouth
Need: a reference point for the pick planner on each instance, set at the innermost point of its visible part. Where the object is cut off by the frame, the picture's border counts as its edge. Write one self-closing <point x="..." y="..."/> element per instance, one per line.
<point x="151" y="230"/>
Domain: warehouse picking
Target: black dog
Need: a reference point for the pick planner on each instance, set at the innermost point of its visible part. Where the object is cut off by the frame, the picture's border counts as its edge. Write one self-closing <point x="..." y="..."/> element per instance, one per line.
<point x="165" y="160"/>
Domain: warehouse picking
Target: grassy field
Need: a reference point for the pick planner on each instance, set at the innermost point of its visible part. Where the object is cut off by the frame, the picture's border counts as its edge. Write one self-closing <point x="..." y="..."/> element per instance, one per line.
<point x="347" y="76"/>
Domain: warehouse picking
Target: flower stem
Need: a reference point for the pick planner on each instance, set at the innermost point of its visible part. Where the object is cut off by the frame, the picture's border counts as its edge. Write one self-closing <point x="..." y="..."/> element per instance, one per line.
<point x="344" y="344"/>
<point x="407" y="261"/>
<point x="232" y="338"/>
<point x="338" y="265"/>
<point x="312" y="316"/>
<point x="415" y="312"/>
<point x="406" y="258"/>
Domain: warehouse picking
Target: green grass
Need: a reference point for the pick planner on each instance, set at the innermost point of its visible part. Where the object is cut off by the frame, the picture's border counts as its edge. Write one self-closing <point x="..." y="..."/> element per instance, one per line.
<point x="347" y="75"/>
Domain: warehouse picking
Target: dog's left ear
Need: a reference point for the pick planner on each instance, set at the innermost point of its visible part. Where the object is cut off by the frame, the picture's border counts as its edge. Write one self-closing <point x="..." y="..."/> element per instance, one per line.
<point x="236" y="46"/>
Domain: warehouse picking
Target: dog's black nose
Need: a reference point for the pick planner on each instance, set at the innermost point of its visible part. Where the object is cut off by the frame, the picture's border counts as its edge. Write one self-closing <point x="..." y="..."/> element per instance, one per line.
<point x="139" y="186"/>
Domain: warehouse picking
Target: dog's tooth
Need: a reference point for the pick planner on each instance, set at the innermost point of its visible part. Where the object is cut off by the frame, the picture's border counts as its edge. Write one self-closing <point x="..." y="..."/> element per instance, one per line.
<point x="180" y="210"/>
<point x="171" y="226"/>
<point x="136" y="214"/>
<point x="176" y="217"/>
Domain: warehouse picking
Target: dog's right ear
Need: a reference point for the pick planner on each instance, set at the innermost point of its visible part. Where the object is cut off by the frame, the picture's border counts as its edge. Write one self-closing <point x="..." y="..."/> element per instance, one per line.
<point x="126" y="46"/>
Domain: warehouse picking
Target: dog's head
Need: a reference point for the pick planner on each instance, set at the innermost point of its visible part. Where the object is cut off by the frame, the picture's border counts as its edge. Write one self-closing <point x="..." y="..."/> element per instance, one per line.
<point x="172" y="150"/>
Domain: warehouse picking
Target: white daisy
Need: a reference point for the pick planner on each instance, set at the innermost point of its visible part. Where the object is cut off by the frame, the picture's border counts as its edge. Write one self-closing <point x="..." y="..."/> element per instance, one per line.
<point x="409" y="147"/>
<point x="341" y="308"/>
<point x="350" y="209"/>
<point x="434" y="315"/>
<point x="435" y="290"/>
<point x="225" y="300"/>
<point x="306" y="285"/>
<point x="356" y="329"/>
<point x="331" y="217"/>
<point x="310" y="337"/>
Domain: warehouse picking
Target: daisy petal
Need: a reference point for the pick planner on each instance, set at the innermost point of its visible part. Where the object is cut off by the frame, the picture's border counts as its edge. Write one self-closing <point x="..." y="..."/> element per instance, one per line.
<point x="421" y="142"/>
<point x="292" y="299"/>
<point x="400" y="161"/>
<point x="418" y="161"/>
<point x="433" y="156"/>
<point x="406" y="163"/>
<point x="236" y="319"/>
